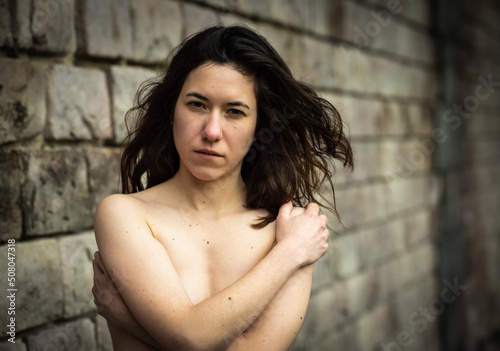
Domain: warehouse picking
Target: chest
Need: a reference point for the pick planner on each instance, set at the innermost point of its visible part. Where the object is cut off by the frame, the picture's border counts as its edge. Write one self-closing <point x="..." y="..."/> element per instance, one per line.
<point x="210" y="255"/>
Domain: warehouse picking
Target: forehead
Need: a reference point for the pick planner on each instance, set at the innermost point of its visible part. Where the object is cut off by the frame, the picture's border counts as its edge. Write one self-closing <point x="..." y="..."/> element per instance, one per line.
<point x="220" y="81"/>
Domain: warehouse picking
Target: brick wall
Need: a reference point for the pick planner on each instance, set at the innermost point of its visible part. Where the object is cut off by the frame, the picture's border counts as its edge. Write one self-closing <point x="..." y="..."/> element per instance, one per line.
<point x="478" y="176"/>
<point x="70" y="68"/>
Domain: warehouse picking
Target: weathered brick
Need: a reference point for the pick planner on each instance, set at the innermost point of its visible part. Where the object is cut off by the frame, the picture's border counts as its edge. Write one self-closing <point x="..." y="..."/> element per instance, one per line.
<point x="103" y="174"/>
<point x="39" y="295"/>
<point x="367" y="158"/>
<point x="22" y="100"/>
<point x="423" y="258"/>
<point x="318" y="16"/>
<point x="392" y="237"/>
<point x="125" y="82"/>
<point x="318" y="63"/>
<point x="395" y="78"/>
<point x="257" y="7"/>
<point x="384" y="241"/>
<point x="317" y="322"/>
<point x="357" y="291"/>
<point x="381" y="30"/>
<point x="417" y="227"/>
<point x="418" y="11"/>
<point x="196" y="18"/>
<point x="104" y="342"/>
<point x="55" y="195"/>
<point x="104" y="28"/>
<point x="358" y="71"/>
<point x="325" y="269"/>
<point x="399" y="270"/>
<point x="345" y="339"/>
<point x="420" y="119"/>
<point x="404" y="191"/>
<point x="393" y="119"/>
<point x="9" y="346"/>
<point x="362" y="204"/>
<point x="363" y="116"/>
<point x="21" y="26"/>
<point x="354" y="20"/>
<point x="424" y="84"/>
<point x="5" y="24"/>
<point x="11" y="218"/>
<point x="373" y="326"/>
<point x="77" y="335"/>
<point x="77" y="253"/>
<point x="350" y="254"/>
<point x="289" y="45"/>
<point x="325" y="17"/>
<point x="390" y="163"/>
<point x="368" y="242"/>
<point x="53" y="26"/>
<point x="78" y="104"/>
<point x="156" y="29"/>
<point x="414" y="323"/>
<point x="405" y="303"/>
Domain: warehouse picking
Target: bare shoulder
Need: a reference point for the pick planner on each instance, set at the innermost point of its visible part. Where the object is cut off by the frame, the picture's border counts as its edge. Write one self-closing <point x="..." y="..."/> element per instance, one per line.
<point x="119" y="213"/>
<point x="120" y="204"/>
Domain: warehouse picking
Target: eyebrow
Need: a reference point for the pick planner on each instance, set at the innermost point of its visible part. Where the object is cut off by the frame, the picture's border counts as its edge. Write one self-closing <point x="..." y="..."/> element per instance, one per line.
<point x="230" y="103"/>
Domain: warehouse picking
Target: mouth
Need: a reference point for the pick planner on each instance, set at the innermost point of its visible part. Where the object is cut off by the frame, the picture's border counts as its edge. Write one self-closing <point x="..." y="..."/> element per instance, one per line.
<point x="208" y="152"/>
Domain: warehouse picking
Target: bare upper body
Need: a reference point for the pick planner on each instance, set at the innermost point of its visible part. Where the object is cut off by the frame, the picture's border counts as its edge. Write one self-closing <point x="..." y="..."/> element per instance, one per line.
<point x="191" y="272"/>
<point x="174" y="251"/>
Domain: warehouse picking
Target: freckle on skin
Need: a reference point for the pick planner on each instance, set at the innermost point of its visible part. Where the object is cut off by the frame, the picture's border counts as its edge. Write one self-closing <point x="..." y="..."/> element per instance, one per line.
<point x="229" y="298"/>
<point x="208" y="242"/>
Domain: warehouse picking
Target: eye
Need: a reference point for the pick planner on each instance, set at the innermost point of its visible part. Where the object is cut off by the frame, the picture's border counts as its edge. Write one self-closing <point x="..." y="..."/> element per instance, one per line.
<point x="196" y="104"/>
<point x="236" y="112"/>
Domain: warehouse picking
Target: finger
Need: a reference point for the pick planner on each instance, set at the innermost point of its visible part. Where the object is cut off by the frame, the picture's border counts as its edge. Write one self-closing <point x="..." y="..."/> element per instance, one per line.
<point x="327" y="233"/>
<point x="97" y="271"/>
<point x="286" y="209"/>
<point x="101" y="265"/>
<point x="312" y="207"/>
<point x="323" y="219"/>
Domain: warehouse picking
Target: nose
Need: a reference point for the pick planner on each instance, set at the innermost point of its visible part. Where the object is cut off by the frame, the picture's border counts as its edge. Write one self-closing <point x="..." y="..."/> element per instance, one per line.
<point x="212" y="131"/>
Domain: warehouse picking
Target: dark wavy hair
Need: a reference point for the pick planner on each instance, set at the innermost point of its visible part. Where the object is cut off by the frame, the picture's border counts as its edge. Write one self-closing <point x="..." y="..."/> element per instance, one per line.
<point x="297" y="137"/>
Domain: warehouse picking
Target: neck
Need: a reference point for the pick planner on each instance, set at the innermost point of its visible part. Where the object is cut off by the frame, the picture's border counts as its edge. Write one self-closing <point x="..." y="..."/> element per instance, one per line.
<point x="218" y="196"/>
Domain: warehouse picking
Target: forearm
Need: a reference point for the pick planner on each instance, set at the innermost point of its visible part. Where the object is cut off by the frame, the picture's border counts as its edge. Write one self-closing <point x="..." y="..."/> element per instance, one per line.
<point x="217" y="321"/>
<point x="132" y="326"/>
<point x="125" y="341"/>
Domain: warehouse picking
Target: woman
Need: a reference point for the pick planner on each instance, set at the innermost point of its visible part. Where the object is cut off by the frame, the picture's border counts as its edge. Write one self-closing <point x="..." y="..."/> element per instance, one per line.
<point x="205" y="248"/>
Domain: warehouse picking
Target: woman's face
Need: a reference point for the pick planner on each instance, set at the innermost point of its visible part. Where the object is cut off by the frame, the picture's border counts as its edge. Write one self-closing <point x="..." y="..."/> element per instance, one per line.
<point x="214" y="121"/>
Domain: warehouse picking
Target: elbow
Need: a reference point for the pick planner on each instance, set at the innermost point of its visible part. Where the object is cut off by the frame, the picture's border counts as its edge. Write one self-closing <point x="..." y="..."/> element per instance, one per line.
<point x="196" y="340"/>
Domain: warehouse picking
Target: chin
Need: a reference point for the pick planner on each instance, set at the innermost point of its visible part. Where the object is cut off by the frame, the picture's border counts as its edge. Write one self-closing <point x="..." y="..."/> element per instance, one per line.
<point x="206" y="175"/>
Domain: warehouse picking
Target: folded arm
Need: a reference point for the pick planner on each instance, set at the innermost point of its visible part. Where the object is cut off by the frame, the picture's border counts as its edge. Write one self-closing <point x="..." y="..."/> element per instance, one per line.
<point x="155" y="295"/>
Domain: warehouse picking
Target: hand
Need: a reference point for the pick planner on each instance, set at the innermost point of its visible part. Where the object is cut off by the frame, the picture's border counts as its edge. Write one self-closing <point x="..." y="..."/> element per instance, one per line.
<point x="305" y="234"/>
<point x="107" y="298"/>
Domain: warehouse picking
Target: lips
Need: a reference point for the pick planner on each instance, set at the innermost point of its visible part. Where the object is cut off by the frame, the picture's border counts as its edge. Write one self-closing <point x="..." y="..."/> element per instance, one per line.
<point x="208" y="152"/>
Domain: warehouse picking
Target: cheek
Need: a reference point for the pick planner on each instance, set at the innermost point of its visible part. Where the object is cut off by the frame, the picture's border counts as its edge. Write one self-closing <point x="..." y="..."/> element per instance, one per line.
<point x="246" y="136"/>
<point x="183" y="128"/>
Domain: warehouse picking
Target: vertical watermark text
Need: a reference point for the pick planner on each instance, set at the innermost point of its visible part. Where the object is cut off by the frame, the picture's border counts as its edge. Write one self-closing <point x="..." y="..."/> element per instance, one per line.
<point x="11" y="290"/>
